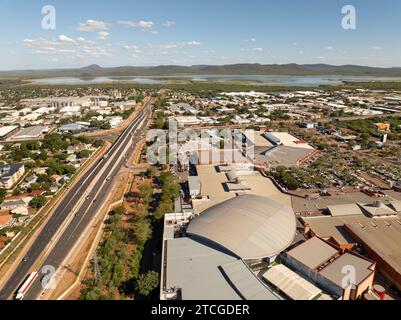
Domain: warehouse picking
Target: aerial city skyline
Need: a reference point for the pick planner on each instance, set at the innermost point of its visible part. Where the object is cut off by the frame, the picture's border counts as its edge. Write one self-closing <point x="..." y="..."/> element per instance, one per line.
<point x="200" y="158"/>
<point x="143" y="33"/>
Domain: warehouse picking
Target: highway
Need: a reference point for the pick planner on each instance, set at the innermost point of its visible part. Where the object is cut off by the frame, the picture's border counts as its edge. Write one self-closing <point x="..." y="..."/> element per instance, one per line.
<point x="75" y="213"/>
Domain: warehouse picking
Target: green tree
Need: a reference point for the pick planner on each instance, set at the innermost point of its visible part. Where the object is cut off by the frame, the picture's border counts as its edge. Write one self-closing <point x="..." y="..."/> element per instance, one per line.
<point x="98" y="143"/>
<point x="16" y="192"/>
<point x="3" y="194"/>
<point x="151" y="172"/>
<point x="84" y="154"/>
<point x="146" y="193"/>
<point x="147" y="282"/>
<point x="142" y="231"/>
<point x="164" y="207"/>
<point x="38" y="202"/>
<point x="54" y="142"/>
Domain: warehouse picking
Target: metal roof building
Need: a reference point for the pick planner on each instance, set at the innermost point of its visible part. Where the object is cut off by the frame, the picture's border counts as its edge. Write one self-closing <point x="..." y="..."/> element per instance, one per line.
<point x="194" y="269"/>
<point x="204" y="272"/>
<point x="378" y="209"/>
<point x="329" y="226"/>
<point x="251" y="227"/>
<point x="339" y="210"/>
<point x="249" y="286"/>
<point x="335" y="270"/>
<point x="282" y="155"/>
<point x="381" y="239"/>
<point x="313" y="253"/>
<point x="4" y="131"/>
<point x="30" y="133"/>
<point x="290" y="283"/>
<point x="326" y="265"/>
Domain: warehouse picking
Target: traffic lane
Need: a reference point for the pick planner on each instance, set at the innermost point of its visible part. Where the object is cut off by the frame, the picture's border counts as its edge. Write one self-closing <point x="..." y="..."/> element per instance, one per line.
<point x="59" y="218"/>
<point x="68" y="240"/>
<point x="72" y="233"/>
<point x="43" y="240"/>
<point x="51" y="227"/>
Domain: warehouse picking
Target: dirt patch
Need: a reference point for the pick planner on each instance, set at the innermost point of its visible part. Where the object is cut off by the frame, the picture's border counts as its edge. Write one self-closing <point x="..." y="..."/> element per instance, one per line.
<point x="375" y="180"/>
<point x="120" y="187"/>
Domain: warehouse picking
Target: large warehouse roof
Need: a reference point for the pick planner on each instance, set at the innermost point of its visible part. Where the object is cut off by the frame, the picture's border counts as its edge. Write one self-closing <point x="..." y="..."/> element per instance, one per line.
<point x="339" y="210"/>
<point x="313" y="253"/>
<point x="30" y="132"/>
<point x="377" y="209"/>
<point x="6" y="130"/>
<point x="335" y="271"/>
<point x="292" y="284"/>
<point x="383" y="237"/>
<point x="194" y="268"/>
<point x="246" y="283"/>
<point x="252" y="227"/>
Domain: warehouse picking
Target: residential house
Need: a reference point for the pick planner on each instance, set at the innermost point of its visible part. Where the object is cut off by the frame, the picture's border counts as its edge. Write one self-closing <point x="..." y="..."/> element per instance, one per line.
<point x="10" y="174"/>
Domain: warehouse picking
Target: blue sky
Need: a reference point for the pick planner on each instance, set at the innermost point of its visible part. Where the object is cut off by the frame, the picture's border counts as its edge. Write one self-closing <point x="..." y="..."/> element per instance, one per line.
<point x="183" y="32"/>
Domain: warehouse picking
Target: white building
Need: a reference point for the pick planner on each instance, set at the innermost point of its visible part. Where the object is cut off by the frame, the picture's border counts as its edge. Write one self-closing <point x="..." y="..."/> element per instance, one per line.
<point x="115" y="121"/>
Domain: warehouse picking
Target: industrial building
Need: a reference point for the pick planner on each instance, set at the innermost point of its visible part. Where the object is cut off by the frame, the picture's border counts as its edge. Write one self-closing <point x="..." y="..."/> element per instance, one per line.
<point x="272" y="149"/>
<point x="381" y="240"/>
<point x="30" y="133"/>
<point x="378" y="210"/>
<point x="184" y="121"/>
<point x="342" y="273"/>
<point x="339" y="210"/>
<point x="251" y="227"/>
<point x="7" y="131"/>
<point x="214" y="257"/>
<point x="72" y="128"/>
<point x="333" y="227"/>
<point x="291" y="284"/>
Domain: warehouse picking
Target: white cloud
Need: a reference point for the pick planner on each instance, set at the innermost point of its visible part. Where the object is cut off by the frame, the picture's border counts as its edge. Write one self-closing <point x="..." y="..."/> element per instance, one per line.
<point x="65" y="39"/>
<point x="250" y="40"/>
<point x="66" y="47"/>
<point x="328" y="48"/>
<point x="82" y="40"/>
<point x="135" y="49"/>
<point x="103" y="35"/>
<point x="128" y="47"/>
<point x="258" y="49"/>
<point x="41" y="43"/>
<point x="93" y="25"/>
<point x="140" y="24"/>
<point x="169" y="24"/>
<point x="177" y="45"/>
<point x="376" y="48"/>
<point x="193" y="44"/>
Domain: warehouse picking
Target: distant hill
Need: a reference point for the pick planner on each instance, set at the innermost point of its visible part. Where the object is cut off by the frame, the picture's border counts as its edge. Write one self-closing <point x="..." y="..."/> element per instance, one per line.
<point x="92" y="67"/>
<point x="233" y="69"/>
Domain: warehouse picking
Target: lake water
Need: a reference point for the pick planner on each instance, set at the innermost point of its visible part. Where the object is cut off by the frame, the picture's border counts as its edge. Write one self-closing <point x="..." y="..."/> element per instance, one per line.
<point x="261" y="80"/>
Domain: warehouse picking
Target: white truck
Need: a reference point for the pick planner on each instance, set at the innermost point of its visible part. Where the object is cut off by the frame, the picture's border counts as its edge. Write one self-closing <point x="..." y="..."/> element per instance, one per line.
<point x="26" y="285"/>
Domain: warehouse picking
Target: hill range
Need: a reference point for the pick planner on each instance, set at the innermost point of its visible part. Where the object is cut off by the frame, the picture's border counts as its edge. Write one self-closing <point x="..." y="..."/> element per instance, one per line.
<point x="233" y="69"/>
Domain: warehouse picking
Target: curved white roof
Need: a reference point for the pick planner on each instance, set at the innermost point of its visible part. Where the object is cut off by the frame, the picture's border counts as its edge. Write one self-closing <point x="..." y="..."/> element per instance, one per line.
<point x="251" y="227"/>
